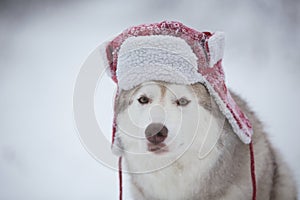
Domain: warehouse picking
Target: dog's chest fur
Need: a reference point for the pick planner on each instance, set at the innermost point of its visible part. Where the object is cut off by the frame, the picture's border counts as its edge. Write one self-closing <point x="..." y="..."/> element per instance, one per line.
<point x="185" y="178"/>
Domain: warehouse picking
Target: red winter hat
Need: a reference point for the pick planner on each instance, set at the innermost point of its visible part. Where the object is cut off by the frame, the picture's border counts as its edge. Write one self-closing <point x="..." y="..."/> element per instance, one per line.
<point x="172" y="52"/>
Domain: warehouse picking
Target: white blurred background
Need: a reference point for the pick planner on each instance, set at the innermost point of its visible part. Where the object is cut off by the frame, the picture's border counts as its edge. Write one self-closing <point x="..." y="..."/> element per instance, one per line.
<point x="44" y="43"/>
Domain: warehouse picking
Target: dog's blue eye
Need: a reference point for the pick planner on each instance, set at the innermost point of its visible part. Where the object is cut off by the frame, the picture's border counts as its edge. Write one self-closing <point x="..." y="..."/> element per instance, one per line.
<point x="144" y="100"/>
<point x="182" y="102"/>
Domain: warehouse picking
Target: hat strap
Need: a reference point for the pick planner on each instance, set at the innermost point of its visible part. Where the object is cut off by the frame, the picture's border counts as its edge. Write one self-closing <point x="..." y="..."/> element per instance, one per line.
<point x="120" y="179"/>
<point x="252" y="168"/>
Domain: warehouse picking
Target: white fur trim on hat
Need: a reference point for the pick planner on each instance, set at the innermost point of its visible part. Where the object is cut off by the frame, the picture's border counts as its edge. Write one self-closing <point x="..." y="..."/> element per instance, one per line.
<point x="156" y="57"/>
<point x="223" y="108"/>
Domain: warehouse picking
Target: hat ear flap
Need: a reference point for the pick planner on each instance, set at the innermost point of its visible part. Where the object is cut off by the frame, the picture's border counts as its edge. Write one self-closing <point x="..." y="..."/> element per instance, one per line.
<point x="216" y="44"/>
<point x="106" y="61"/>
<point x="106" y="51"/>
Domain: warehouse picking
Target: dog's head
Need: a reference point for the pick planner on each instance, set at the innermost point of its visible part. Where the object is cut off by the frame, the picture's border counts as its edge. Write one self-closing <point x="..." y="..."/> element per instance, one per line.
<point x="161" y="118"/>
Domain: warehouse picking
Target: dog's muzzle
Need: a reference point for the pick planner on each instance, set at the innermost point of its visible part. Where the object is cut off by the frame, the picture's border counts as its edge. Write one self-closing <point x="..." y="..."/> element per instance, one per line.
<point x="156" y="133"/>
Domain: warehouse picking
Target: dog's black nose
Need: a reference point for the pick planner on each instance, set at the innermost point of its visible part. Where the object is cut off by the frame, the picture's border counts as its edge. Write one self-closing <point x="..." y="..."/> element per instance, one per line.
<point x="156" y="133"/>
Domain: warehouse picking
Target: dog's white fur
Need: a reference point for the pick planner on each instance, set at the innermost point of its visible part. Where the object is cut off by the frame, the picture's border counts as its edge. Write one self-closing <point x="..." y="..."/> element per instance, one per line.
<point x="204" y="159"/>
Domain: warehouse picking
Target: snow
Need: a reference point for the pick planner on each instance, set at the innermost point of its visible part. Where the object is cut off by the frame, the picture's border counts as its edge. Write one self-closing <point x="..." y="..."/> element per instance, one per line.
<point x="44" y="44"/>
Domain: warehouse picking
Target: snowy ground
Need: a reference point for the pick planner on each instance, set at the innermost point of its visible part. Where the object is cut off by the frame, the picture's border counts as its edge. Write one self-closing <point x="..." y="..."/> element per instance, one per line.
<point x="44" y="43"/>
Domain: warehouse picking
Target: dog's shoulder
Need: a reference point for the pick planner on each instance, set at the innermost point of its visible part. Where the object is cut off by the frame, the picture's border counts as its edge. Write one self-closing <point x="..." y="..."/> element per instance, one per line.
<point x="268" y="160"/>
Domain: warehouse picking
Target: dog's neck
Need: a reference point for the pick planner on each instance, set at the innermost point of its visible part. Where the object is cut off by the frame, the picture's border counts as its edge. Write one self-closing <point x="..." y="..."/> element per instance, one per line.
<point x="189" y="176"/>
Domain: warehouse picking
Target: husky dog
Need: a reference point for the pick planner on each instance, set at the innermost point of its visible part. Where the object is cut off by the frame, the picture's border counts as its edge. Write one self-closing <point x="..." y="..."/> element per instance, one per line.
<point x="176" y="144"/>
<point x="180" y="131"/>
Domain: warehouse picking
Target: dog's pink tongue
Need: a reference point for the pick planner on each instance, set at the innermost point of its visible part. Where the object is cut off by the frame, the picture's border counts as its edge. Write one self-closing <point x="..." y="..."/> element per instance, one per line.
<point x="159" y="148"/>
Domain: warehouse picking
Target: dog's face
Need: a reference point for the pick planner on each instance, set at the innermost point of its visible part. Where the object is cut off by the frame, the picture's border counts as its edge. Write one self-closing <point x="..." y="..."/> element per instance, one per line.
<point x="164" y="119"/>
